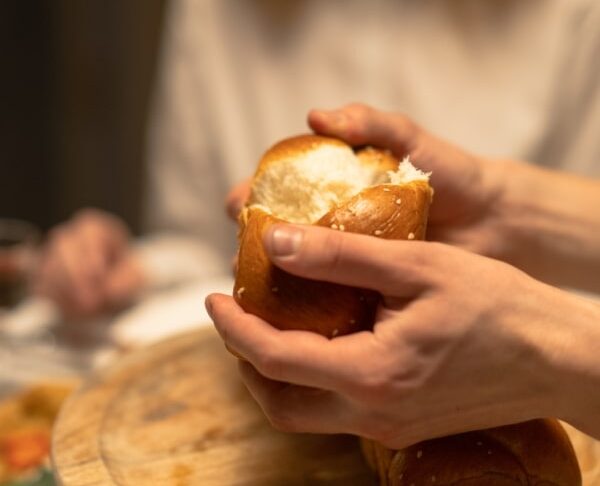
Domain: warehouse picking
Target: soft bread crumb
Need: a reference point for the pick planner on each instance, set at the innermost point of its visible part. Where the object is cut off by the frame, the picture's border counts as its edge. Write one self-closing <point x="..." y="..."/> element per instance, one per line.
<point x="305" y="186"/>
<point x="408" y="173"/>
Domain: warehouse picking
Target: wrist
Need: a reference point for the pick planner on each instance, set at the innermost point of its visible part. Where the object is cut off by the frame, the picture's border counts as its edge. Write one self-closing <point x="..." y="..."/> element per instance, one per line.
<point x="578" y="367"/>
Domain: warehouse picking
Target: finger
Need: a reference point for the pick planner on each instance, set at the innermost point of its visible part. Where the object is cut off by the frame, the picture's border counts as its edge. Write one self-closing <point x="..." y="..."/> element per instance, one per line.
<point x="395" y="268"/>
<point x="124" y="282"/>
<point x="359" y="124"/>
<point x="102" y="230"/>
<point x="292" y="408"/>
<point x="96" y="251"/>
<point x="236" y="198"/>
<point x="298" y="357"/>
<point x="72" y="279"/>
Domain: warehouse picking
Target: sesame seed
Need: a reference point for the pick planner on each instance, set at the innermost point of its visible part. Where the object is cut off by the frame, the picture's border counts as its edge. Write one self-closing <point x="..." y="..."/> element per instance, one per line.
<point x="479" y="443"/>
<point x="361" y="298"/>
<point x="240" y="291"/>
<point x="275" y="289"/>
<point x="386" y="189"/>
<point x="433" y="479"/>
<point x="335" y="333"/>
<point x="377" y="232"/>
<point x="334" y="226"/>
<point x="398" y="201"/>
<point x="489" y="452"/>
<point x="342" y="227"/>
<point x="411" y="236"/>
<point x="419" y="454"/>
<point x="352" y="321"/>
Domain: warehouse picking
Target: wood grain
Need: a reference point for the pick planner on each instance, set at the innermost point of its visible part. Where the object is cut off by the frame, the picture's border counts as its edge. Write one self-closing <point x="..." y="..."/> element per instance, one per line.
<point x="177" y="414"/>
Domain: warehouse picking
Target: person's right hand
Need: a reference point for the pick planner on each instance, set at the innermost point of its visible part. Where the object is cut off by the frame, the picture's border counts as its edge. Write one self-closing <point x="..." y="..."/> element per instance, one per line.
<point x="87" y="266"/>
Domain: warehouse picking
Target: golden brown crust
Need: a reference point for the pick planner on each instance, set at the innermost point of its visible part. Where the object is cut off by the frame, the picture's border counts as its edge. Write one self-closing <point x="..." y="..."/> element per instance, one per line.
<point x="393" y="212"/>
<point x="290" y="302"/>
<point x="537" y="452"/>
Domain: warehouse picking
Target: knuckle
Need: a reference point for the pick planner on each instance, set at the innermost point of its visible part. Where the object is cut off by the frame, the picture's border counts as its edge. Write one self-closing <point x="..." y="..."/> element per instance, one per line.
<point x="269" y="363"/>
<point x="358" y="109"/>
<point x="280" y="419"/>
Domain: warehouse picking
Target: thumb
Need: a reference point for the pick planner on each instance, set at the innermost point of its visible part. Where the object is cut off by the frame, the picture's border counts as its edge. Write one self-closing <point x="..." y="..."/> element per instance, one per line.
<point x="389" y="267"/>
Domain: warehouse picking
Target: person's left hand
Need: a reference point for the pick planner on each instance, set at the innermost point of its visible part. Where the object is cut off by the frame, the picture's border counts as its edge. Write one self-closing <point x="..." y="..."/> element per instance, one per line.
<point x="461" y="342"/>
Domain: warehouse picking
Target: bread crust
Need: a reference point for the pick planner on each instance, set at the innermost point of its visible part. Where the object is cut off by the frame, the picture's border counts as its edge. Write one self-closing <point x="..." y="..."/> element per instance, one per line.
<point x="536" y="452"/>
<point x="389" y="211"/>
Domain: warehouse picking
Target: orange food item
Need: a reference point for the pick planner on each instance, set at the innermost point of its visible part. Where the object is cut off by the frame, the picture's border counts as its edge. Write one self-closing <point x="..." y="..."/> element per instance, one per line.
<point x="25" y="449"/>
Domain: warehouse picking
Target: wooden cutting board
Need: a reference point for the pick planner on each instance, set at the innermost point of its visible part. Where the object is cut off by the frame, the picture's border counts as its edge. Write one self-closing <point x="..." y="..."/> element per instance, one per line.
<point x="177" y="414"/>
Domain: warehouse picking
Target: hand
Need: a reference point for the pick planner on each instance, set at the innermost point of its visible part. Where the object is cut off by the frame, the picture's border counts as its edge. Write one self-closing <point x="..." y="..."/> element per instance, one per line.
<point x="467" y="187"/>
<point x="87" y="266"/>
<point x="461" y="342"/>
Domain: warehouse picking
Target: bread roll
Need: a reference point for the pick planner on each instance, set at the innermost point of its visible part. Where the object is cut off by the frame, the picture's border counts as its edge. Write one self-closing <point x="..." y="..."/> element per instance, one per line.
<point x="318" y="180"/>
<point x="537" y="452"/>
<point x="322" y="181"/>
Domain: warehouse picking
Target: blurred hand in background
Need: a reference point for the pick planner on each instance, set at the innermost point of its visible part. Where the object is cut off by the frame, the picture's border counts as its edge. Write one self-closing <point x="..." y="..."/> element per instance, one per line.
<point x="87" y="266"/>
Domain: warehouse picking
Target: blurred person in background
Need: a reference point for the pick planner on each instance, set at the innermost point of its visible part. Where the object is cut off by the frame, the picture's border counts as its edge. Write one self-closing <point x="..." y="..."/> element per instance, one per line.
<point x="507" y="78"/>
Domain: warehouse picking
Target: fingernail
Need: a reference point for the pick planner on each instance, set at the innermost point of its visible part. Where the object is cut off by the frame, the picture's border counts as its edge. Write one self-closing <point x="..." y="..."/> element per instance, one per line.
<point x="284" y="241"/>
<point x="208" y="305"/>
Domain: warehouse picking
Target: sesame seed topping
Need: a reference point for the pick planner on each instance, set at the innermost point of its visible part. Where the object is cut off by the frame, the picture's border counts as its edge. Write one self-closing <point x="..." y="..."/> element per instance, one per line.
<point x="361" y="298"/>
<point x="342" y="227"/>
<point x="479" y="443"/>
<point x="433" y="479"/>
<point x="411" y="236"/>
<point x="489" y="452"/>
<point x="275" y="289"/>
<point x="334" y="226"/>
<point x="419" y="454"/>
<point x="240" y="291"/>
<point x="378" y="232"/>
<point x="398" y="201"/>
<point x="386" y="189"/>
<point x="335" y="333"/>
<point x="352" y="321"/>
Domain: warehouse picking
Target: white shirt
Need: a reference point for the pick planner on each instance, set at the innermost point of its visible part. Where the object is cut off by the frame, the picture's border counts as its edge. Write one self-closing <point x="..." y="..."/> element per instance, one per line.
<point x="507" y="78"/>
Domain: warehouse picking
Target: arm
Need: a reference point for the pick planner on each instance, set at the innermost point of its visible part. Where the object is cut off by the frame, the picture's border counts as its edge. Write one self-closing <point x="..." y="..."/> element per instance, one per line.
<point x="551" y="225"/>
<point x="545" y="222"/>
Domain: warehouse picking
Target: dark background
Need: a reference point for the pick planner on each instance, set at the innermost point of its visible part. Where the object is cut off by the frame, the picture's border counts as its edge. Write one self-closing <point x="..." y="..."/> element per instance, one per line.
<point x="75" y="84"/>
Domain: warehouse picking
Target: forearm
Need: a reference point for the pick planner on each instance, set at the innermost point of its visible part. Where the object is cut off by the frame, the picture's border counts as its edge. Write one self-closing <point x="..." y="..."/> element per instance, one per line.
<point x="551" y="225"/>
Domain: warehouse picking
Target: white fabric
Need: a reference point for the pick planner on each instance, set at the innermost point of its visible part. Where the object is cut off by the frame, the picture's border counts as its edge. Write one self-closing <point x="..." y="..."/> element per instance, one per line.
<point x="500" y="77"/>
